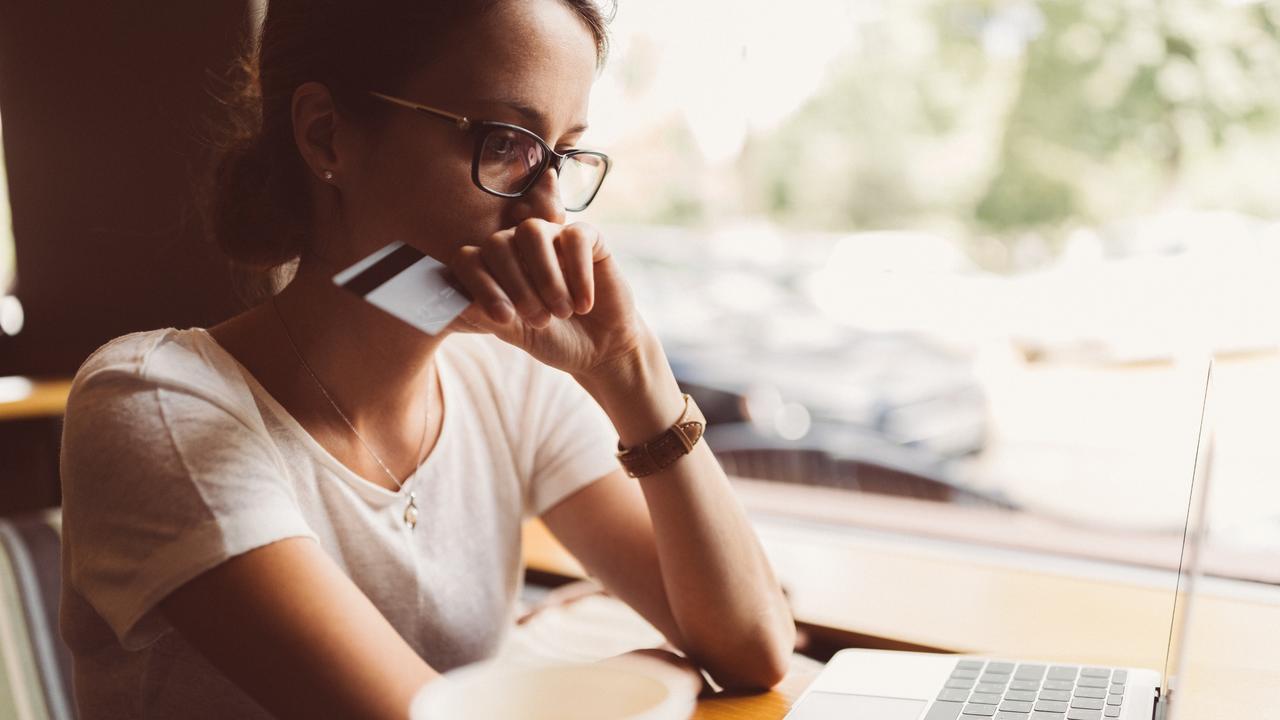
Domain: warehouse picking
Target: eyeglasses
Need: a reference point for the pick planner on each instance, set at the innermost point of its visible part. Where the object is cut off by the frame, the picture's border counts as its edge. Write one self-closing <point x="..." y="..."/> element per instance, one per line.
<point x="508" y="159"/>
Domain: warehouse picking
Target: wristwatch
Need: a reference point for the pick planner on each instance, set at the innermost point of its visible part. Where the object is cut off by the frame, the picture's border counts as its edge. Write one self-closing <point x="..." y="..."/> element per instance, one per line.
<point x="678" y="441"/>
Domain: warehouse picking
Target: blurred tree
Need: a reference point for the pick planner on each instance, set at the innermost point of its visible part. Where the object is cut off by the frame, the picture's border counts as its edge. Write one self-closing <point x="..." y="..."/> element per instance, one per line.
<point x="1020" y="116"/>
<point x="1111" y="90"/>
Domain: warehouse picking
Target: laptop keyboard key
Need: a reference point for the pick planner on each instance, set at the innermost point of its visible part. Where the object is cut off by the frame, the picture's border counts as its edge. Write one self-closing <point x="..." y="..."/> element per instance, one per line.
<point x="1077" y="714"/>
<point x="1029" y="672"/>
<point x="962" y="673"/>
<point x="1095" y="672"/>
<point x="1087" y="704"/>
<point x="962" y="683"/>
<point x="997" y="688"/>
<point x="980" y="710"/>
<point x="1023" y="695"/>
<point x="1120" y="676"/>
<point x="1093" y="682"/>
<point x="1051" y="706"/>
<point x="969" y="665"/>
<point x="1058" y="685"/>
<point x="1015" y="706"/>
<point x="1047" y="716"/>
<point x="944" y="711"/>
<point x="953" y="695"/>
<point x="1117" y="689"/>
<point x="1111" y="711"/>
<point x="1062" y="672"/>
<point x="990" y="677"/>
<point x="1024" y="685"/>
<point x="1063" y="695"/>
<point x="979" y="698"/>
<point x="1006" y="715"/>
<point x="1114" y="699"/>
<point x="1003" y="668"/>
<point x="1089" y="692"/>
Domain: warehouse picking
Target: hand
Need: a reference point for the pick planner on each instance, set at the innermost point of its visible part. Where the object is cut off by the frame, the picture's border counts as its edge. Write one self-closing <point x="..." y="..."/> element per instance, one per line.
<point x="552" y="290"/>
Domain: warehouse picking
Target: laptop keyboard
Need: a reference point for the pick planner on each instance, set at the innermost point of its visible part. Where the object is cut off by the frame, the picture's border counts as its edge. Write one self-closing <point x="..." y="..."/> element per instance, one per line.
<point x="1010" y="691"/>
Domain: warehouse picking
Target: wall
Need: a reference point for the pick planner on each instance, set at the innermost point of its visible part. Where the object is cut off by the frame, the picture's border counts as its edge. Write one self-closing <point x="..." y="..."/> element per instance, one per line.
<point x="105" y="110"/>
<point x="105" y="107"/>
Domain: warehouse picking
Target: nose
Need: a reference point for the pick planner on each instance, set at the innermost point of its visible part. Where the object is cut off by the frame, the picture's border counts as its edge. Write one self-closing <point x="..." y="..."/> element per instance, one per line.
<point x="541" y="201"/>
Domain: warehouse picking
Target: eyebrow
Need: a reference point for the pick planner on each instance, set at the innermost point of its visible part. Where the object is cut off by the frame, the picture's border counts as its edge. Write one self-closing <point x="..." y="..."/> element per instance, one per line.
<point x="532" y="114"/>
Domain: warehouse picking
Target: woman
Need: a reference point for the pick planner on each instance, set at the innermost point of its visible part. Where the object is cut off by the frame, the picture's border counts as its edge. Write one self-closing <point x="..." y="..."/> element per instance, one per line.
<point x="313" y="508"/>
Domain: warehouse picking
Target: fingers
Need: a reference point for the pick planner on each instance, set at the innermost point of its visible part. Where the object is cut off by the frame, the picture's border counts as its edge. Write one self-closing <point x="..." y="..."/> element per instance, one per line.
<point x="576" y="244"/>
<point x="536" y="270"/>
<point x="536" y="253"/>
<point x="500" y="260"/>
<point x="469" y="269"/>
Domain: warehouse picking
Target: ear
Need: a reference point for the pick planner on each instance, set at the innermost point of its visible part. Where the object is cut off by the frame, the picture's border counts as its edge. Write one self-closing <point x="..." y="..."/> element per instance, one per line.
<point x="315" y="124"/>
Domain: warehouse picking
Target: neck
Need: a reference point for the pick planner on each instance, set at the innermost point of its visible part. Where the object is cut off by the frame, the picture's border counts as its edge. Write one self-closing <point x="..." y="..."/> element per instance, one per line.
<point x="373" y="366"/>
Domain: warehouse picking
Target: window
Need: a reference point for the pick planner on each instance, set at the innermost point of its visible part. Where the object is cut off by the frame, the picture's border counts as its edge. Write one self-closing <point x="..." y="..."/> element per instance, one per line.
<point x="10" y="310"/>
<point x="965" y="251"/>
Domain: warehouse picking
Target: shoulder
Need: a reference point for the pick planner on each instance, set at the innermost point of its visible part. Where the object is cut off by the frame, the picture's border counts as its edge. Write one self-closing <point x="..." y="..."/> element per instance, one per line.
<point x="188" y="362"/>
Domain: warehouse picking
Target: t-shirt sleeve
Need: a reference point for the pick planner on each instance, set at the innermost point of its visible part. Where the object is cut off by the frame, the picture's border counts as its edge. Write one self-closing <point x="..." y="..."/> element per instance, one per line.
<point x="576" y="441"/>
<point x="162" y="480"/>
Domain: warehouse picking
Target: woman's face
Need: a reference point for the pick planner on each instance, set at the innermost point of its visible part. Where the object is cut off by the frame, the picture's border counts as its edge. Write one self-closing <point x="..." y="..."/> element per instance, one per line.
<point x="526" y="63"/>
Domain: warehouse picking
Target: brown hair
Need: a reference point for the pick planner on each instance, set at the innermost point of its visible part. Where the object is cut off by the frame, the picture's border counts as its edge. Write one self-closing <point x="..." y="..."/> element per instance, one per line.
<point x="258" y="206"/>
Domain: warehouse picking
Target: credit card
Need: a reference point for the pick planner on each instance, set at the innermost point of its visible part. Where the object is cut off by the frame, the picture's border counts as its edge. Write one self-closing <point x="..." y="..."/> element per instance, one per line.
<point x="407" y="283"/>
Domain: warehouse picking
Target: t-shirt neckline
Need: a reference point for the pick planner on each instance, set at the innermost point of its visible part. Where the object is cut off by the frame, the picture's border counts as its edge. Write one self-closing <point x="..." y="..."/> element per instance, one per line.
<point x="352" y="477"/>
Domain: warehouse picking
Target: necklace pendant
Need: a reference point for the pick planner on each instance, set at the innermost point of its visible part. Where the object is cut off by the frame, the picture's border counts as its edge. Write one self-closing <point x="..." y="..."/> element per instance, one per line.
<point x="411" y="512"/>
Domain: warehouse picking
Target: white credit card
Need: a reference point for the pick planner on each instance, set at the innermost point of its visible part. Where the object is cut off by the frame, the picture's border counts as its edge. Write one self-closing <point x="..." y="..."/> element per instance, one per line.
<point x="405" y="282"/>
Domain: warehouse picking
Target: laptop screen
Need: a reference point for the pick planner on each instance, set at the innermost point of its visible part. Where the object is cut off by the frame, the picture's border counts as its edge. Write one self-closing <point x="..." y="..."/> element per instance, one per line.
<point x="1192" y="539"/>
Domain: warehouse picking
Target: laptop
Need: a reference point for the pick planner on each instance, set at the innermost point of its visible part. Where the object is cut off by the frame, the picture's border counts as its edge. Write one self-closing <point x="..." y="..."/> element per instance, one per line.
<point x="893" y="685"/>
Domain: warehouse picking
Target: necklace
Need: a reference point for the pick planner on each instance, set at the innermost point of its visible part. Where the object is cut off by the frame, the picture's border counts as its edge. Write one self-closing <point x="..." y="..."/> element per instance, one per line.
<point x="410" y="510"/>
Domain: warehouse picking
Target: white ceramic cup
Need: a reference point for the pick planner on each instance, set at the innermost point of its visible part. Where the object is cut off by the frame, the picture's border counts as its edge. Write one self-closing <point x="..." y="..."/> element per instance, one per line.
<point x="626" y="688"/>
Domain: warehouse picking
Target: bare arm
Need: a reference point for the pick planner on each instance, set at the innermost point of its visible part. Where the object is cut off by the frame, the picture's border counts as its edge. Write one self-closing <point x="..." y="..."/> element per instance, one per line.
<point x="288" y="627"/>
<point x="686" y="557"/>
<point x="676" y="545"/>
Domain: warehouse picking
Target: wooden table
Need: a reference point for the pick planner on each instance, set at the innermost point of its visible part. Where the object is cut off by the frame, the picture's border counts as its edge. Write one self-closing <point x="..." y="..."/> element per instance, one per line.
<point x="42" y="398"/>
<point x="955" y="599"/>
<point x="30" y="436"/>
<point x="887" y="590"/>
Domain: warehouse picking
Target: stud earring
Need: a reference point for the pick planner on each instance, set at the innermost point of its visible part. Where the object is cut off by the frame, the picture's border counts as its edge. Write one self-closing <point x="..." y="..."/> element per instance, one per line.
<point x="328" y="175"/>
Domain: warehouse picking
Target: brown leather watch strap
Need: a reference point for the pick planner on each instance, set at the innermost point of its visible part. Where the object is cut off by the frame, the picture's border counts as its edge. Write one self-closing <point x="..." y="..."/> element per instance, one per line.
<point x="678" y="441"/>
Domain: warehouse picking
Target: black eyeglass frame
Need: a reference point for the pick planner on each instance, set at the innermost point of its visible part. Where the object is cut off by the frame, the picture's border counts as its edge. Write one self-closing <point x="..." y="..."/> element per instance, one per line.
<point x="481" y="128"/>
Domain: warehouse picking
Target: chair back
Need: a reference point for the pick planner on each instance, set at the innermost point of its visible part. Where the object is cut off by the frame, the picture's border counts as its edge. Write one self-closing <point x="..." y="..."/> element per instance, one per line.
<point x="35" y="665"/>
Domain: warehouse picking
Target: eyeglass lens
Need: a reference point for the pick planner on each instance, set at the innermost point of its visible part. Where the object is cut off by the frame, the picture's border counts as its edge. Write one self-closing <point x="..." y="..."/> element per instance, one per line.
<point x="510" y="159"/>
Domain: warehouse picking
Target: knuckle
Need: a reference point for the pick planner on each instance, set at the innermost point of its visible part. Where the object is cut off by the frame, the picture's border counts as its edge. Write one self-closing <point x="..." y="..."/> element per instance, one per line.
<point x="466" y="256"/>
<point x="531" y="225"/>
<point x="497" y="240"/>
<point x="581" y="230"/>
<point x="581" y="238"/>
<point x="460" y="254"/>
<point x="537" y="231"/>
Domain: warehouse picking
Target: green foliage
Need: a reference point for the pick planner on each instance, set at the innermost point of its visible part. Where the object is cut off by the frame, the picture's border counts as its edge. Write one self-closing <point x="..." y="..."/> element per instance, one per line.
<point x="1107" y="105"/>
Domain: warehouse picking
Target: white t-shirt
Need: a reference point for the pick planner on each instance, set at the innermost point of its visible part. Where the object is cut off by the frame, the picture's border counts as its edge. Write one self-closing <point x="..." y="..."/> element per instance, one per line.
<point x="175" y="459"/>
